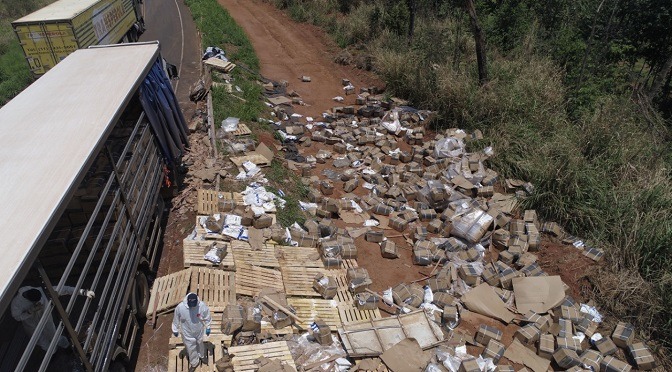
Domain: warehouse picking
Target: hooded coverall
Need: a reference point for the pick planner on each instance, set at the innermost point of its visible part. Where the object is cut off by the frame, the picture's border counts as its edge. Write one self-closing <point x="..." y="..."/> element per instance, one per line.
<point x="191" y="322"/>
<point x="29" y="314"/>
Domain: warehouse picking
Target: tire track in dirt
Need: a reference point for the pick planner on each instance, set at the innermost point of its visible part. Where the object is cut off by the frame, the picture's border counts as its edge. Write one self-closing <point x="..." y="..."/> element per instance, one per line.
<point x="287" y="50"/>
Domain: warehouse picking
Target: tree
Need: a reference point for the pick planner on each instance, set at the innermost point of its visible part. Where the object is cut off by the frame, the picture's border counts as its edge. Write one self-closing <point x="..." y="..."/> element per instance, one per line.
<point x="479" y="38"/>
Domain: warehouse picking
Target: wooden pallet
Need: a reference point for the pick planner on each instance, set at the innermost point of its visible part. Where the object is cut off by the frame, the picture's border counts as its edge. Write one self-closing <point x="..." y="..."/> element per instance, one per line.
<point x="177" y="364"/>
<point x="245" y="355"/>
<point x="299" y="280"/>
<point x="349" y="264"/>
<point x="250" y="279"/>
<point x="309" y="309"/>
<point x="343" y="294"/>
<point x="208" y="200"/>
<point x="242" y="130"/>
<point x="244" y="255"/>
<point x="349" y="314"/>
<point x="298" y="256"/>
<point x="267" y="327"/>
<point x="168" y="291"/>
<point x="217" y="288"/>
<point x="258" y="159"/>
<point x="194" y="250"/>
<point x="219" y="64"/>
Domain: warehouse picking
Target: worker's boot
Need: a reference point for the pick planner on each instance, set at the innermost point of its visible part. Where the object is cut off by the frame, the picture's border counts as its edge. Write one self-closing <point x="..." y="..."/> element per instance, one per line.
<point x="192" y="369"/>
<point x="183" y="353"/>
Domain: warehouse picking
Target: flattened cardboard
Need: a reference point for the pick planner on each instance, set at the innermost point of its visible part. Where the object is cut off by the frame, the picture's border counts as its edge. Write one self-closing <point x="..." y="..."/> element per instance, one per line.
<point x="484" y="300"/>
<point x="406" y="356"/>
<point x="518" y="353"/>
<point x="539" y="293"/>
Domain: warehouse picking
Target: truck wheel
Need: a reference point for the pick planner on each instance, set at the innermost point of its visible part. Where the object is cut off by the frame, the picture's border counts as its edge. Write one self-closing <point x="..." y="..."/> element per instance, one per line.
<point x="132" y="35"/>
<point x="141" y="295"/>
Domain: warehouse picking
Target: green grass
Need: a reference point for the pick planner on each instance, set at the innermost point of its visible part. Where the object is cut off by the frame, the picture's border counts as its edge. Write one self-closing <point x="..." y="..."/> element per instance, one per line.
<point x="281" y="178"/>
<point x="14" y="73"/>
<point x="219" y="29"/>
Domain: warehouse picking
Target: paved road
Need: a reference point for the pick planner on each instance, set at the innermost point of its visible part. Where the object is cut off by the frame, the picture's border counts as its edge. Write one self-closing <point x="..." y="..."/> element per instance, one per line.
<point x="170" y="22"/>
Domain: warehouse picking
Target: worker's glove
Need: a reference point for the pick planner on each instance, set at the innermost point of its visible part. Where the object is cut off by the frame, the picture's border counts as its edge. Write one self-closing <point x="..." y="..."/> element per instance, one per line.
<point x="207" y="331"/>
<point x="87" y="293"/>
<point x="175" y="334"/>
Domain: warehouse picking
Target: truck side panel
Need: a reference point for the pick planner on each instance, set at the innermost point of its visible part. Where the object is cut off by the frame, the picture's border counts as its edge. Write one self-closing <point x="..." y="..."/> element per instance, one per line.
<point x="104" y="23"/>
<point x="46" y="44"/>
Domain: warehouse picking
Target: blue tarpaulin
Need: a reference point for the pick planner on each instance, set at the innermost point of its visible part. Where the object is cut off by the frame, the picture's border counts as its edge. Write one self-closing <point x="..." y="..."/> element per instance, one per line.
<point x="164" y="114"/>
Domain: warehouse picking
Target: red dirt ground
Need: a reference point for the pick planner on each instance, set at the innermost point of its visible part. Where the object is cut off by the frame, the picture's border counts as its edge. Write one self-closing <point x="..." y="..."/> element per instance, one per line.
<point x="287" y="51"/>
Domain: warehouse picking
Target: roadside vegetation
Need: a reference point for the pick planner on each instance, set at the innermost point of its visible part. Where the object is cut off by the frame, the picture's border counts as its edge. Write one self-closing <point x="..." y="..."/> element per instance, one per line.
<point x="244" y="100"/>
<point x="14" y="71"/>
<point x="576" y="101"/>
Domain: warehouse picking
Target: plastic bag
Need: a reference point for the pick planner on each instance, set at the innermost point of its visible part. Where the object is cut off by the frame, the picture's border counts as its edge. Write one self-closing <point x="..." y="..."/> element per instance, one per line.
<point x="230" y="124"/>
<point x="472" y="225"/>
<point x="448" y="147"/>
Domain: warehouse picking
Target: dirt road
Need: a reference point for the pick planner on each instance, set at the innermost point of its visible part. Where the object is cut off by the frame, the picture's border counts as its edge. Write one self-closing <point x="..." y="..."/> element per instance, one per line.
<point x="287" y="50"/>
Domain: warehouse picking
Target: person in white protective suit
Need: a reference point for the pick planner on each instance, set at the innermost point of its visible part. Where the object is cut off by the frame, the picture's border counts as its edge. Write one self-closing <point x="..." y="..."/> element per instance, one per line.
<point x="28" y="307"/>
<point x="192" y="319"/>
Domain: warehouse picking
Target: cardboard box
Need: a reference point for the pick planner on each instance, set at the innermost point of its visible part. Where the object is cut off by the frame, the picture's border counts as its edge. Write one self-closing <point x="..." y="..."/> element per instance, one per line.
<point x="450" y="315"/>
<point x="517" y="227"/>
<point x="566" y="358"/>
<point x="552" y="228"/>
<point x="349" y="251"/>
<point x="611" y="364"/>
<point x="422" y="257"/>
<point x="332" y="262"/>
<point x="500" y="238"/>
<point x="569" y="343"/>
<point x="623" y="334"/>
<point x="486" y="333"/>
<point x="494" y="349"/>
<point x="366" y="301"/>
<point x="527" y="334"/>
<point x="546" y="346"/>
<point x="358" y="279"/>
<point x="642" y="356"/>
<point x="587" y="325"/>
<point x="281" y="320"/>
<point x="398" y="223"/>
<point x="326" y="286"/>
<point x="591" y="358"/>
<point x="263" y="221"/>
<point x="321" y="332"/>
<point x="408" y="294"/>
<point x="565" y="328"/>
<point x="571" y="313"/>
<point x="442" y="299"/>
<point x="606" y="346"/>
<point x="507" y="257"/>
<point x="490" y="275"/>
<point x="469" y="365"/>
<point x="469" y="274"/>
<point x="374" y="236"/>
<point x="506" y="277"/>
<point x="388" y="249"/>
<point x="233" y="318"/>
<point x="437" y="283"/>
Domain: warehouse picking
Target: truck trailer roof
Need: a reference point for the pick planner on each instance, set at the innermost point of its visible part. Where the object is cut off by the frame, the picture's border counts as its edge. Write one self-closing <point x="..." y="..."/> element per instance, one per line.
<point x="59" y="10"/>
<point x="51" y="132"/>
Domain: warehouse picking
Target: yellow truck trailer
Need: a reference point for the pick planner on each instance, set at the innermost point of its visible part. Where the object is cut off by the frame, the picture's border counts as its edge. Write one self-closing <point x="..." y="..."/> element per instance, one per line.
<point x="49" y="34"/>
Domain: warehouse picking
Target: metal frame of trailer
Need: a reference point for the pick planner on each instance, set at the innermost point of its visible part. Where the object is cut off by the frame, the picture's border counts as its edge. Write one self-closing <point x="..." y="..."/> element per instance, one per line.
<point x="81" y="205"/>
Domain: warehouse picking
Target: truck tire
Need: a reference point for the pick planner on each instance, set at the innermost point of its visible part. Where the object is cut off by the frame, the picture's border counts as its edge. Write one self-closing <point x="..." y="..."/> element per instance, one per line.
<point x="141" y="295"/>
<point x="118" y="366"/>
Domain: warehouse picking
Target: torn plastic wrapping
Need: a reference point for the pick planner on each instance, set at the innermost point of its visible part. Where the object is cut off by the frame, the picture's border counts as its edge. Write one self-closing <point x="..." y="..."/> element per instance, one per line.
<point x="230" y="124"/>
<point x="472" y="225"/>
<point x="597" y="317"/>
<point x="215" y="254"/>
<point x="332" y="251"/>
<point x="448" y="147"/>
<point x="306" y="352"/>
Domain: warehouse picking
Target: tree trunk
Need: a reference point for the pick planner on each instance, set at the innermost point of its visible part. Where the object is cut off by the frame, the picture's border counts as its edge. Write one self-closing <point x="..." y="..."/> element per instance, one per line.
<point x="411" y="20"/>
<point x="589" y="44"/>
<point x="456" y="49"/>
<point x="660" y="78"/>
<point x="479" y="37"/>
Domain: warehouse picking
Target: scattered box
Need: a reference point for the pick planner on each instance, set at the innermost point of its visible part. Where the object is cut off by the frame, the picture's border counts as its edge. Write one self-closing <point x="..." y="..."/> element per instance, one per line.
<point x="486" y="333"/>
<point x="494" y="349"/>
<point x="623" y="334"/>
<point x="642" y="356"/>
<point x="321" y="332"/>
<point x="233" y="318"/>
<point x="469" y="365"/>
<point x="591" y="358"/>
<point x="546" y="346"/>
<point x="606" y="346"/>
<point x="566" y="358"/>
<point x="326" y="286"/>
<point x="611" y="364"/>
<point x="366" y="301"/>
<point x="527" y="334"/>
<point x="569" y="343"/>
